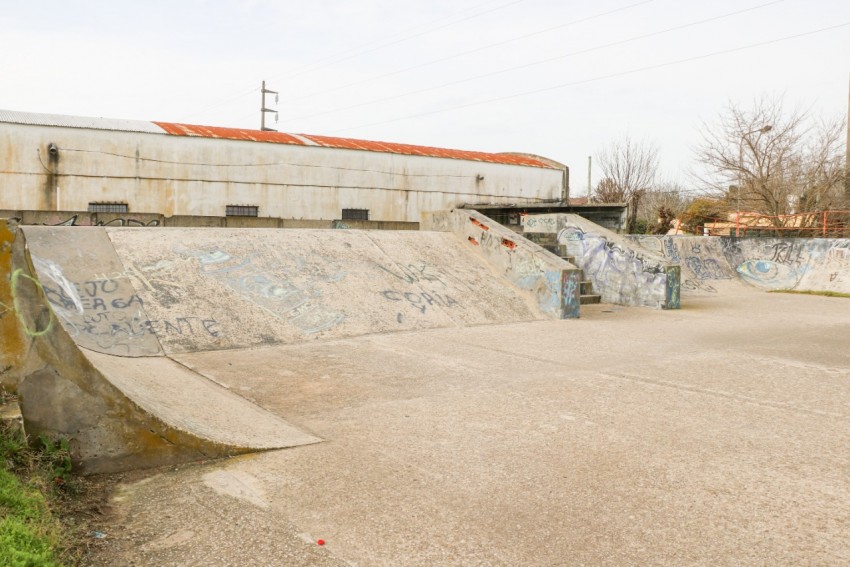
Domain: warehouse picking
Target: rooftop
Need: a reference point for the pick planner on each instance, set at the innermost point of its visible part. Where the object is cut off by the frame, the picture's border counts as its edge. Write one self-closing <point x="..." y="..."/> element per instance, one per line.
<point x="191" y="130"/>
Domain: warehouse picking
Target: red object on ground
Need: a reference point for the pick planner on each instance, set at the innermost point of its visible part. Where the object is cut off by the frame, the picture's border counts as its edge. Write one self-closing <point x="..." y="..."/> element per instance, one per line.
<point x="320" y="541"/>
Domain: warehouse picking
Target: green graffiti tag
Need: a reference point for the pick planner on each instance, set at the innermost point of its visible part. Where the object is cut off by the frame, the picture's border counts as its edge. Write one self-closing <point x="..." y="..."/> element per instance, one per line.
<point x="17" y="275"/>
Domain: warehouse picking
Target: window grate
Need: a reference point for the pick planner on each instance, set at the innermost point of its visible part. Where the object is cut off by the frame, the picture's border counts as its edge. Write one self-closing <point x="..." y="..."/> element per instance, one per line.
<point x="355" y="214"/>
<point x="242" y="211"/>
<point x="108" y="208"/>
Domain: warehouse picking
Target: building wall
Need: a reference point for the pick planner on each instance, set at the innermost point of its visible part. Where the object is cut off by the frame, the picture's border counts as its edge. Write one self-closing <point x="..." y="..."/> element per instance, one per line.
<point x="179" y="175"/>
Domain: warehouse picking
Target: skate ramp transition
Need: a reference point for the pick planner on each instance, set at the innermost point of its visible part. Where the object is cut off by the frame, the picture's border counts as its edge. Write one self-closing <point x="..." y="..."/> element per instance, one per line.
<point x="657" y="271"/>
<point x="95" y="319"/>
<point x="718" y="264"/>
<point x="621" y="271"/>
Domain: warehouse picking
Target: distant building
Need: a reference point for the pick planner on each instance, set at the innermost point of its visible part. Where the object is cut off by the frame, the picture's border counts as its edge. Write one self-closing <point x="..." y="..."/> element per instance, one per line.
<point x="128" y="167"/>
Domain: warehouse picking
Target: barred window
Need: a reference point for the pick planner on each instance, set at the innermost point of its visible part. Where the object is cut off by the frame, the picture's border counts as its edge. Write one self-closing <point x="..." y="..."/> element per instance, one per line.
<point x="242" y="210"/>
<point x="108" y="208"/>
<point x="355" y="214"/>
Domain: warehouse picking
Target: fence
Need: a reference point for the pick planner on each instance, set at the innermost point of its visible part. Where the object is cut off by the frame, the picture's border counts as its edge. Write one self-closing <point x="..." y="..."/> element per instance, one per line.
<point x="817" y="224"/>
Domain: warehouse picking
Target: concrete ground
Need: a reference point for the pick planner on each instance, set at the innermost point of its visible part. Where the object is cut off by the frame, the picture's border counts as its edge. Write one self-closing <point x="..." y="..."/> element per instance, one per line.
<point x="716" y="434"/>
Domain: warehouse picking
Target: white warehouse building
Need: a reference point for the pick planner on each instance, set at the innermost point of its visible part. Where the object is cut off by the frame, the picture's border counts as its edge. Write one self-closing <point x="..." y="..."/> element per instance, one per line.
<point x="68" y="163"/>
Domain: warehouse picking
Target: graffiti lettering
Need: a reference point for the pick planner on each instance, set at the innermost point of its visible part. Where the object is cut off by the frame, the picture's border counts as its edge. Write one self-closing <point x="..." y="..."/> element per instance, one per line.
<point x="119" y="221"/>
<point x="413" y="273"/>
<point x="276" y="295"/>
<point x="697" y="285"/>
<point x="420" y="300"/>
<point x="706" y="269"/>
<point x="782" y="252"/>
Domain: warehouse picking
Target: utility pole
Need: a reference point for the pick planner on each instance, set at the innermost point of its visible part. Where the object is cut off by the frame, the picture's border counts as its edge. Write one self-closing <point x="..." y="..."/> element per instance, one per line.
<point x="589" y="163"/>
<point x="263" y="92"/>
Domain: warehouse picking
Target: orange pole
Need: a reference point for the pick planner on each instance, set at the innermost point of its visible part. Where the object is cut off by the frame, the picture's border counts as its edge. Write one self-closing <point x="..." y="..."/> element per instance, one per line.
<point x="824" y="224"/>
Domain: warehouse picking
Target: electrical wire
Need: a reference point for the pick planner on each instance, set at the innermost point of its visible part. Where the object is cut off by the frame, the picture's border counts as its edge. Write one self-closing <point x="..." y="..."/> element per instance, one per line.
<point x="343" y="56"/>
<point x="396" y="41"/>
<point x="594" y="79"/>
<point x="247" y="165"/>
<point x="470" y="51"/>
<point x="535" y="63"/>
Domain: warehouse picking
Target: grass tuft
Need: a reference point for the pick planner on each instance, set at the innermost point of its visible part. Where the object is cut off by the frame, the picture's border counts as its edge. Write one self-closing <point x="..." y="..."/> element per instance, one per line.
<point x="32" y="480"/>
<point x="810" y="292"/>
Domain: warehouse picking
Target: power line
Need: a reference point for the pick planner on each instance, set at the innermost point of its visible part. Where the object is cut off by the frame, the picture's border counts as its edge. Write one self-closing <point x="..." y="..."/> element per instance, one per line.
<point x="594" y="79"/>
<point x="470" y="51"/>
<point x="323" y="62"/>
<point x="534" y="63"/>
<point x="350" y="55"/>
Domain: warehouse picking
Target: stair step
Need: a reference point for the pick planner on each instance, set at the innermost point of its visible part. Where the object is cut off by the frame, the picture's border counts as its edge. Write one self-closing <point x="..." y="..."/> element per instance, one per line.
<point x="586" y="287"/>
<point x="590" y="298"/>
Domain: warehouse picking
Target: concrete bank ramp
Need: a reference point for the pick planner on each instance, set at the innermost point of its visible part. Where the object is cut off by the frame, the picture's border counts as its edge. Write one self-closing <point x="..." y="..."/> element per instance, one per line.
<point x="621" y="271"/>
<point x="106" y="309"/>
<point x="720" y="264"/>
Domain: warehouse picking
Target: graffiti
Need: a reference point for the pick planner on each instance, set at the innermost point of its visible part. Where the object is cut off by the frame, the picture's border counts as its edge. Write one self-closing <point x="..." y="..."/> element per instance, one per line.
<point x="782" y="252"/>
<point x="421" y="300"/>
<point x="570" y="294"/>
<point x="839" y="256"/>
<point x="415" y="273"/>
<point x="73" y="220"/>
<point x="570" y="234"/>
<point x="670" y="250"/>
<point x="141" y="276"/>
<point x="697" y="285"/>
<point x="31" y="329"/>
<point x="183" y="326"/>
<point x="706" y="269"/>
<point x="768" y="273"/>
<point x="541" y="223"/>
<point x="274" y="294"/>
<point x="108" y="314"/>
<point x="622" y="274"/>
<point x="673" y="288"/>
<point x="528" y="266"/>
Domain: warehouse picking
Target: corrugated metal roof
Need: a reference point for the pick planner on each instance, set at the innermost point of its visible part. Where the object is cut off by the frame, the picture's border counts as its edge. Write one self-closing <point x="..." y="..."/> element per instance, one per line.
<point x="37" y="119"/>
<point x="349" y="144"/>
<point x="407" y="149"/>
<point x="266" y="136"/>
<point x="229" y="133"/>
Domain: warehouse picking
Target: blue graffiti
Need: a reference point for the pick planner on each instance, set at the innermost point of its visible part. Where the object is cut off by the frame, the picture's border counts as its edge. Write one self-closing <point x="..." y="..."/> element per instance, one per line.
<point x="767" y="273"/>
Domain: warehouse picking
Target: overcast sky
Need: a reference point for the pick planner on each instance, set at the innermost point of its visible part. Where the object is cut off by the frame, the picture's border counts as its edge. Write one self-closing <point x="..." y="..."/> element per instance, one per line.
<point x="554" y="78"/>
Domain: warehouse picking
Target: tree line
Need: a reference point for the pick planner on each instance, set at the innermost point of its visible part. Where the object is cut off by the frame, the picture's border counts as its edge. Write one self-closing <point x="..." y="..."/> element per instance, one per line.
<point x="764" y="159"/>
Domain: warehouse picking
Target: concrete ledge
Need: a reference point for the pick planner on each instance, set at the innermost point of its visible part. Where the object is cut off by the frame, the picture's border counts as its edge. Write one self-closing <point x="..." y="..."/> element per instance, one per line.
<point x="553" y="281"/>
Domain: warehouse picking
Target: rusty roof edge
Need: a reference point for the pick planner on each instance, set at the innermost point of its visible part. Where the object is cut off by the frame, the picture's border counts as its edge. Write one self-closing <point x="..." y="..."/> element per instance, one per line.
<point x="221" y="132"/>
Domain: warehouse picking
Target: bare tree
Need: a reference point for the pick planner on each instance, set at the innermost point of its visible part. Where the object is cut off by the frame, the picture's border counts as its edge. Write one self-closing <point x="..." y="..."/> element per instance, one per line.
<point x="630" y="168"/>
<point x="772" y="161"/>
<point x="670" y="196"/>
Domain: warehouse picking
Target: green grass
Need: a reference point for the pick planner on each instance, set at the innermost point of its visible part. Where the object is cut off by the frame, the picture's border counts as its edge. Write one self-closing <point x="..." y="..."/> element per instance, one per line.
<point x="823" y="293"/>
<point x="30" y="536"/>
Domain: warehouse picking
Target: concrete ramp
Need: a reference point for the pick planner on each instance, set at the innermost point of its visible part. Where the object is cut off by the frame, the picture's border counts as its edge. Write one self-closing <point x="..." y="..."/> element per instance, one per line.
<point x="720" y="264"/>
<point x="107" y="315"/>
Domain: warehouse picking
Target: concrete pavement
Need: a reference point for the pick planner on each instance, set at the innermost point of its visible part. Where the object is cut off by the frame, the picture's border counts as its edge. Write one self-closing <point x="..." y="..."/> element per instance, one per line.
<point x="716" y="434"/>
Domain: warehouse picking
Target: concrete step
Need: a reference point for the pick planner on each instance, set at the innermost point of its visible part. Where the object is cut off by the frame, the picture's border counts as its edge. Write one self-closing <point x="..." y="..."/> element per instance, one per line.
<point x="586" y="287"/>
<point x="589" y="298"/>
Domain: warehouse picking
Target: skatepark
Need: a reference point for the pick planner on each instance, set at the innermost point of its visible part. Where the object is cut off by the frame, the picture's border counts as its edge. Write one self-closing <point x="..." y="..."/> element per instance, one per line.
<point x="442" y="396"/>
